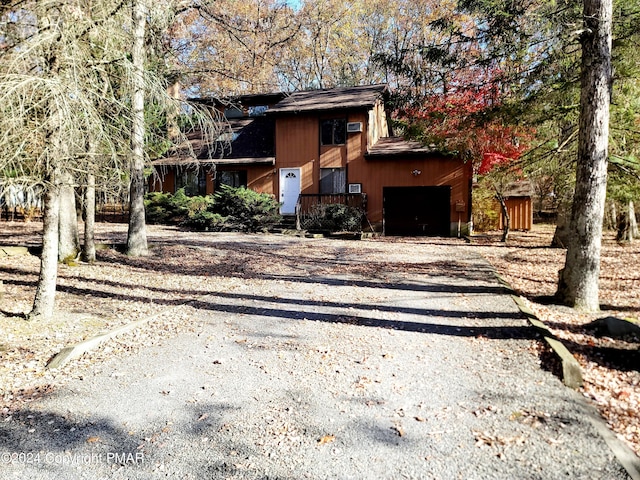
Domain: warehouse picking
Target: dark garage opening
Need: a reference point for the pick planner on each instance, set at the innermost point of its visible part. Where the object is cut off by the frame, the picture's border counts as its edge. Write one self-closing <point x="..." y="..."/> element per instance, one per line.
<point x="417" y="211"/>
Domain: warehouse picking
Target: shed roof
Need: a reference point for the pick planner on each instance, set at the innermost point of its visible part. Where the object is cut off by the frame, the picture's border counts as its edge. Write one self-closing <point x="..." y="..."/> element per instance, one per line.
<point x="330" y="99"/>
<point x="522" y="188"/>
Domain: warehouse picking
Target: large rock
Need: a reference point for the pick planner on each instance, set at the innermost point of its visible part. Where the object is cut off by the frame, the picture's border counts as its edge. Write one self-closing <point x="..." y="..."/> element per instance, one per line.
<point x="614" y="327"/>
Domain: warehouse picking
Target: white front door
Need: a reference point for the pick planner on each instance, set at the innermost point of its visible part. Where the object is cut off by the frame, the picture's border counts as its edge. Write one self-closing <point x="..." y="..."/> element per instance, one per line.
<point x="289" y="190"/>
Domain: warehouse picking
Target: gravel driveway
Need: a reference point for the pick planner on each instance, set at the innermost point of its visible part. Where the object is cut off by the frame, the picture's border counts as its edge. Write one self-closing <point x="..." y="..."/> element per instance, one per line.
<point x="375" y="360"/>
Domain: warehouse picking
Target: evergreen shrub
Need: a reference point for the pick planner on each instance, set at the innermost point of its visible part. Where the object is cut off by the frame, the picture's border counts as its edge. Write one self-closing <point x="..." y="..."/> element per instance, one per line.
<point x="334" y="217"/>
<point x="230" y="209"/>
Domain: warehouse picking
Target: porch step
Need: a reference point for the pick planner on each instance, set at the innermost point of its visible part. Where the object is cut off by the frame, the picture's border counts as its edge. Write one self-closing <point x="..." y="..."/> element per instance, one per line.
<point x="288" y="223"/>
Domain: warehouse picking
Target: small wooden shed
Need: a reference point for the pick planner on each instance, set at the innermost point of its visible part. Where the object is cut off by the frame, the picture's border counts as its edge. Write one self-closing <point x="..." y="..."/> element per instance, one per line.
<point x="519" y="199"/>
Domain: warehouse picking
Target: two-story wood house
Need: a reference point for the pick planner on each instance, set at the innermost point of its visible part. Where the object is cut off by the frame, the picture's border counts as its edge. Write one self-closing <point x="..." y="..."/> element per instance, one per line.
<point x="332" y="145"/>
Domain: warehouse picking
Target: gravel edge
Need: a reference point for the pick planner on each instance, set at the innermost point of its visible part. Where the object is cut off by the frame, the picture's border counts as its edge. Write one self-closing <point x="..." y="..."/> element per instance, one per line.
<point x="627" y="458"/>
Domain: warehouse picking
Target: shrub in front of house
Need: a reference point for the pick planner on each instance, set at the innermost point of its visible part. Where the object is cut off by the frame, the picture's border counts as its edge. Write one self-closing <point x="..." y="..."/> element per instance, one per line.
<point x="230" y="209"/>
<point x="200" y="215"/>
<point x="246" y="210"/>
<point x="333" y="217"/>
<point x="166" y="208"/>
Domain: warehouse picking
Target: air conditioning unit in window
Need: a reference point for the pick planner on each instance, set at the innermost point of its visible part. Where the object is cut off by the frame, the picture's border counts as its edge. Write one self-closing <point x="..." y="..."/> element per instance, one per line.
<point x="355" y="188"/>
<point x="353" y="127"/>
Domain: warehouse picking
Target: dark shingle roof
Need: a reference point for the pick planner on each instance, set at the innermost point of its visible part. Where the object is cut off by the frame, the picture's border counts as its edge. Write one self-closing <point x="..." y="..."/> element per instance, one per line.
<point x="241" y="100"/>
<point x="330" y="99"/>
<point x="253" y="138"/>
<point x="252" y="142"/>
<point x="396" y="146"/>
<point x="522" y="188"/>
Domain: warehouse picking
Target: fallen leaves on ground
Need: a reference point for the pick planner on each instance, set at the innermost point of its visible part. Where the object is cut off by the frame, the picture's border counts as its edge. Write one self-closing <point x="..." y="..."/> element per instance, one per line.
<point x="188" y="267"/>
<point x="611" y="366"/>
<point x="326" y="439"/>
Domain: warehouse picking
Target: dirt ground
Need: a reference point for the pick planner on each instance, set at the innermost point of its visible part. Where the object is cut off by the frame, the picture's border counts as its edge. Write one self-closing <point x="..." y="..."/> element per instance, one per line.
<point x="90" y="301"/>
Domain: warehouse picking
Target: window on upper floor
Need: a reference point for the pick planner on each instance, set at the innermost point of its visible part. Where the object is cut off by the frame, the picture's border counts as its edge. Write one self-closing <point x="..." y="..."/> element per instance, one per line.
<point x="258" y="110"/>
<point x="233" y="112"/>
<point x="333" y="131"/>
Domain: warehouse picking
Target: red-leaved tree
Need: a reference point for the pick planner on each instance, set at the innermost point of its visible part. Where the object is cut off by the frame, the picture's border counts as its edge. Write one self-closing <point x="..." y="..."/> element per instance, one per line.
<point x="465" y="120"/>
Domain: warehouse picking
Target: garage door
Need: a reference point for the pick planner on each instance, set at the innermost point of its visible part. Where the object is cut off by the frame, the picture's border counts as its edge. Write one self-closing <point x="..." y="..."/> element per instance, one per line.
<point x="413" y="211"/>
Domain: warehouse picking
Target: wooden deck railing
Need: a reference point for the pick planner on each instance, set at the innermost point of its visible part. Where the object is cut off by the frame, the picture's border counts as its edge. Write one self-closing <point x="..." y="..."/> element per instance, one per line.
<point x="307" y="203"/>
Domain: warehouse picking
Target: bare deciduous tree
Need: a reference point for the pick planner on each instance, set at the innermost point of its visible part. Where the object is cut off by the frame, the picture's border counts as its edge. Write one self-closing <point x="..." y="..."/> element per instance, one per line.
<point x="66" y="82"/>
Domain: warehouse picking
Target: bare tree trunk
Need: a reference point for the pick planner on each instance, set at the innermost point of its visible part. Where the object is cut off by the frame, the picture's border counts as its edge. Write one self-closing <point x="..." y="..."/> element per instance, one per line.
<point x="89" y="245"/>
<point x="627" y="227"/>
<point x="506" y="219"/>
<point x="68" y="237"/>
<point x="633" y="223"/>
<point x="613" y="216"/>
<point x="578" y="285"/>
<point x="622" y="226"/>
<point x="561" y="234"/>
<point x="137" y="235"/>
<point x="44" y="301"/>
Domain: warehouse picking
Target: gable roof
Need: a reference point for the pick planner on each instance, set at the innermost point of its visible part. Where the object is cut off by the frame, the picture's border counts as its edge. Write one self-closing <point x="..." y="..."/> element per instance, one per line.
<point x="330" y="99"/>
<point x="253" y="139"/>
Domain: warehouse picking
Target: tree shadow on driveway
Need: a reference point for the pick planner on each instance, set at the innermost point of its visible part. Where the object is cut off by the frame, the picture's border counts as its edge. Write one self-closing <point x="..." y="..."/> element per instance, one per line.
<point x="307" y="308"/>
<point x="522" y="331"/>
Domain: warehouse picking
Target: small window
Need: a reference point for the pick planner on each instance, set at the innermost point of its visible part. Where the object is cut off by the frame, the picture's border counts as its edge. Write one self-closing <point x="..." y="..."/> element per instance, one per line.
<point x="235" y="178"/>
<point x="258" y="110"/>
<point x="194" y="182"/>
<point x="333" y="132"/>
<point x="333" y="180"/>
<point x="233" y="112"/>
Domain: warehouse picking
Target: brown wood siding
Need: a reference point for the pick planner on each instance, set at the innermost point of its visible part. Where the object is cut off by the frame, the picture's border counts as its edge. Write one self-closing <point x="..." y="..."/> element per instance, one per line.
<point x="297" y="145"/>
<point x="357" y="141"/>
<point x="262" y="179"/>
<point x="334" y="156"/>
<point x="163" y="181"/>
<point x="520" y="211"/>
<point x="434" y="171"/>
<point x="210" y="183"/>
